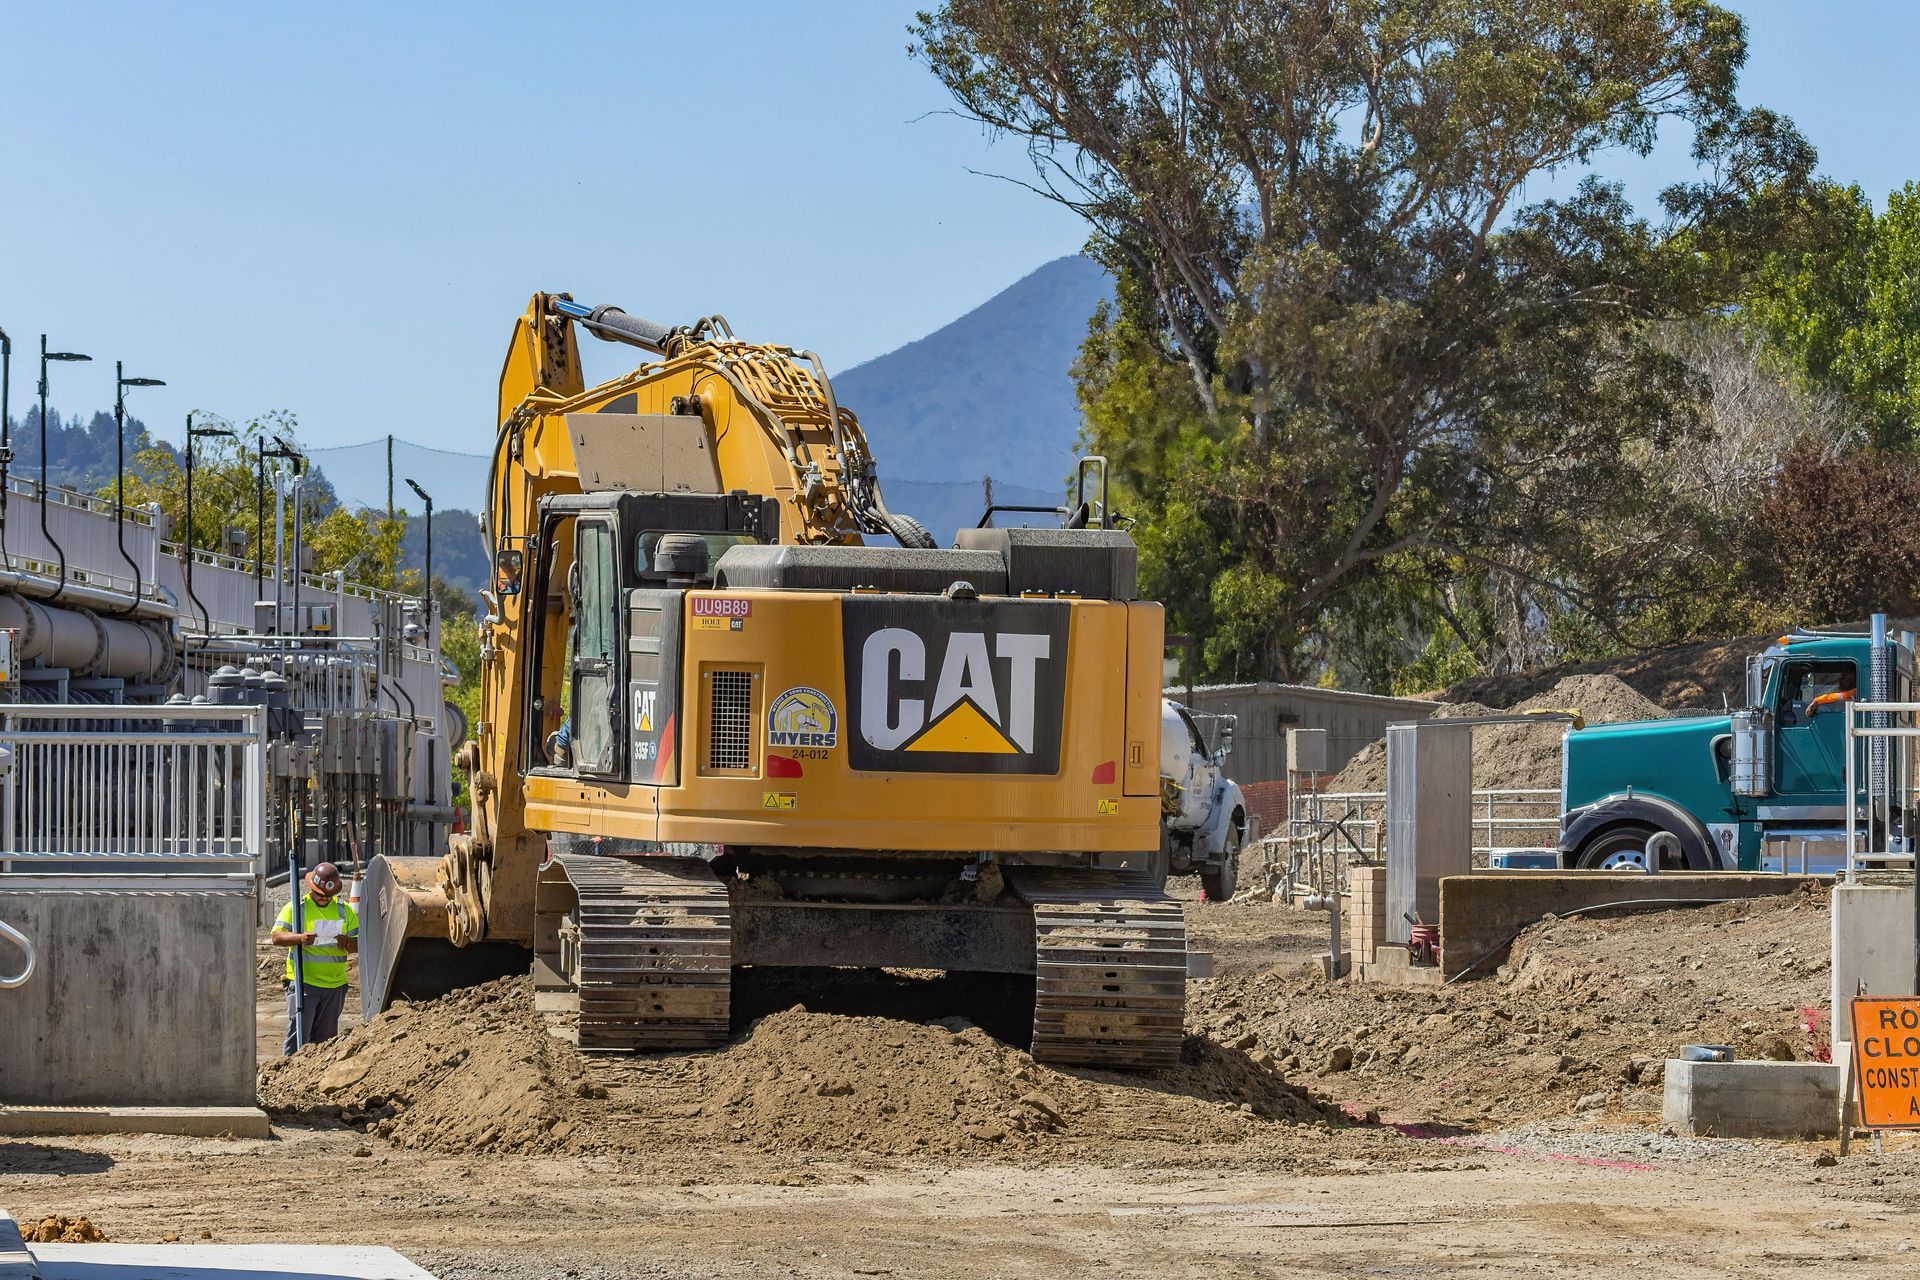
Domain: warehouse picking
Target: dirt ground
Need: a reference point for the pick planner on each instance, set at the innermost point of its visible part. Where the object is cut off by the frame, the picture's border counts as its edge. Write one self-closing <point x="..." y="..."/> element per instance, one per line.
<point x="894" y="1126"/>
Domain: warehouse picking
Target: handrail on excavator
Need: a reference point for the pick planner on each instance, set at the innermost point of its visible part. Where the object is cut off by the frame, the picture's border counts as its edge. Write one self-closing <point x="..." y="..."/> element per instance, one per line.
<point x="25" y="943"/>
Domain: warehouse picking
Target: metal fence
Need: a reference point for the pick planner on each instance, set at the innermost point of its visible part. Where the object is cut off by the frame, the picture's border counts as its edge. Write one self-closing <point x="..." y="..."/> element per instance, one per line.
<point x="1878" y="805"/>
<point x="1324" y="830"/>
<point x="172" y="788"/>
<point x="324" y="676"/>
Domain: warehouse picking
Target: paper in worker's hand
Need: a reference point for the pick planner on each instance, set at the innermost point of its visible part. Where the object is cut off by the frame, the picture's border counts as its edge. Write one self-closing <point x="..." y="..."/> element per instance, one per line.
<point x="326" y="933"/>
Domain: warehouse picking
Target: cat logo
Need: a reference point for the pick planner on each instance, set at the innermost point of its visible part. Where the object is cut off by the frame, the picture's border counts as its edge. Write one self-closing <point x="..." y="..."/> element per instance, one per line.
<point x="955" y="686"/>
<point x="802" y="717"/>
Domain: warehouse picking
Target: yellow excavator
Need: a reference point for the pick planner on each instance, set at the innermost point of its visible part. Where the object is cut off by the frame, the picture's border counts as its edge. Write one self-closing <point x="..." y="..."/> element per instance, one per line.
<point x="718" y="729"/>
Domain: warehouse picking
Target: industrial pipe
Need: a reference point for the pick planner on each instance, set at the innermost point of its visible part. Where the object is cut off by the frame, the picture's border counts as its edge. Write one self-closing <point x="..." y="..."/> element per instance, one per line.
<point x="39" y="586"/>
<point x="86" y="643"/>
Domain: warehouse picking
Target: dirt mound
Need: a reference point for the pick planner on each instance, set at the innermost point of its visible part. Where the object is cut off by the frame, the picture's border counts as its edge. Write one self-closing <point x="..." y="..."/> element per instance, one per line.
<point x="473" y="1071"/>
<point x="58" y="1228"/>
<point x="479" y="1071"/>
<point x="1581" y="1019"/>
<point x="1516" y="756"/>
<point x="1687" y="677"/>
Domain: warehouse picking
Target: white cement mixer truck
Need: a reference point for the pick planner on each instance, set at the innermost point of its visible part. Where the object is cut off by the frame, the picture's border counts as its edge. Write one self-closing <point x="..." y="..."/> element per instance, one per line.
<point x="1203" y="815"/>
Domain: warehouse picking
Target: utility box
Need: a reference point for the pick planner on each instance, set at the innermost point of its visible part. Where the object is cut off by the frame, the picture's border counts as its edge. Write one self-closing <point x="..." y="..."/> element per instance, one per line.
<point x="1306" y="751"/>
<point x="1429" y="818"/>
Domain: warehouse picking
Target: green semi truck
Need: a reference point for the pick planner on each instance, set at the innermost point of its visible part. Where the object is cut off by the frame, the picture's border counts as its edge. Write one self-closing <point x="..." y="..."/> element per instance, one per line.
<point x="1762" y="788"/>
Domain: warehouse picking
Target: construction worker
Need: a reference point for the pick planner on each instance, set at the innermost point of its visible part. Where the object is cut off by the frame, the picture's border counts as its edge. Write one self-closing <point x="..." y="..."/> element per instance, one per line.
<point x="330" y="932"/>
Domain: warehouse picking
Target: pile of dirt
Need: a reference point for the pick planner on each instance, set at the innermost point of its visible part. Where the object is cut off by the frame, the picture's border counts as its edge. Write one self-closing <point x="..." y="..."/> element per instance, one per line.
<point x="473" y="1071"/>
<point x="1515" y="756"/>
<point x="58" y="1228"/>
<point x="1580" y="1019"/>
<point x="1687" y="677"/>
<point x="479" y="1071"/>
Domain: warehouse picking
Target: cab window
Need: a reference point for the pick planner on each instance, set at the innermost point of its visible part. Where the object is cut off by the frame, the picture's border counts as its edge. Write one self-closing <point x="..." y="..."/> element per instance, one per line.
<point x="1815" y="688"/>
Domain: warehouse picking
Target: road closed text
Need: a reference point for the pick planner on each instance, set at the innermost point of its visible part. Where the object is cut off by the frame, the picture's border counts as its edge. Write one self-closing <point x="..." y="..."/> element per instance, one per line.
<point x="1886" y="1062"/>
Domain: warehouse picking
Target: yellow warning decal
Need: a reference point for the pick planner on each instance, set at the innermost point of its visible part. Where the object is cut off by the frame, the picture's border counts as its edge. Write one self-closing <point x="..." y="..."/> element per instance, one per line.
<point x="1107" y="808"/>
<point x="783" y="800"/>
<point x="963" y="729"/>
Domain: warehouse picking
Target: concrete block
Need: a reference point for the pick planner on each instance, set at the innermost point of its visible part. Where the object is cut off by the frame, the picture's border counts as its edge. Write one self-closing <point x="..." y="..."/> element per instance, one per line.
<point x="191" y="1122"/>
<point x="143" y="996"/>
<point x="1395" y="967"/>
<point x="15" y="1262"/>
<point x="224" y="1262"/>
<point x="1752" y="1099"/>
<point x="1481" y="913"/>
<point x="1872" y="943"/>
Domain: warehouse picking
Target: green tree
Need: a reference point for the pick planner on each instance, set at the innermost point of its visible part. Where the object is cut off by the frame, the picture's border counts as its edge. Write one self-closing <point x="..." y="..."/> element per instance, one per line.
<point x="1341" y="345"/>
<point x="226" y="494"/>
<point x="1845" y="305"/>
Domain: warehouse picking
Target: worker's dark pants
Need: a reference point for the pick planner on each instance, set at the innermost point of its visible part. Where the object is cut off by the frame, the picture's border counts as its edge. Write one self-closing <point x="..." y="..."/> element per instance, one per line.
<point x="320" y="1019"/>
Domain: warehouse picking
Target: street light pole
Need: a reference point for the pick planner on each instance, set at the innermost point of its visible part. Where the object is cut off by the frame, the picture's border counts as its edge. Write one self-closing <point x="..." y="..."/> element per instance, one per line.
<point x="196" y="433"/>
<point x="281" y="449"/>
<point x="427" y="585"/>
<point x="6" y="436"/>
<point x="40" y="490"/>
<point x="120" y="384"/>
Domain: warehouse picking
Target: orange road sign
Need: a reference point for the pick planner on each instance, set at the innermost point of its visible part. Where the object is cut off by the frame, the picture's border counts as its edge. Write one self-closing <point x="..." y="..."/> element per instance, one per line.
<point x="1886" y="1062"/>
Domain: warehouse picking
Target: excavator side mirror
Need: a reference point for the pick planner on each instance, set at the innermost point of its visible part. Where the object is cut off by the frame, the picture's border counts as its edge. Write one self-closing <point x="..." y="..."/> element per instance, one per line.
<point x="507" y="566"/>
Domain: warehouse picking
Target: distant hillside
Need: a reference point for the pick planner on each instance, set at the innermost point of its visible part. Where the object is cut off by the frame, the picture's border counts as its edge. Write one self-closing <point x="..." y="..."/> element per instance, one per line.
<point x="946" y="507"/>
<point x="359" y="475"/>
<point x="990" y="394"/>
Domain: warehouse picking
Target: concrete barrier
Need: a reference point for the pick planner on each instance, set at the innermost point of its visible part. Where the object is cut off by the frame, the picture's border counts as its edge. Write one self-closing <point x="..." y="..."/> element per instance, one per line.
<point x="1872" y="943"/>
<point x="143" y="994"/>
<point x="1481" y="913"/>
<point x="1752" y="1099"/>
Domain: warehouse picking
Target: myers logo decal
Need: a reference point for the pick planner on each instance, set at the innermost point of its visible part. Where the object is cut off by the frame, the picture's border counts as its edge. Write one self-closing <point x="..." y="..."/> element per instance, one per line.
<point x="954" y="686"/>
<point x="802" y="717"/>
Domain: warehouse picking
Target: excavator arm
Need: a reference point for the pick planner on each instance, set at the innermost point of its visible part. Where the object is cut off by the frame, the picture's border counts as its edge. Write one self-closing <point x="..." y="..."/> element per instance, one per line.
<point x="768" y="420"/>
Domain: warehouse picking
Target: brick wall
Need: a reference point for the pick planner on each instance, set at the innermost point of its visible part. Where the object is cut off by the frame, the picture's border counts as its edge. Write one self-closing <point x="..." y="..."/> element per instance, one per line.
<point x="1366" y="912"/>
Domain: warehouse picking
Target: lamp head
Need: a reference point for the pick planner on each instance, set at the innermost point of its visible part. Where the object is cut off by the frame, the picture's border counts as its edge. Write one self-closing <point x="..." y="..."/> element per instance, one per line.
<point x="422" y="492"/>
<point x="66" y="356"/>
<point x="141" y="382"/>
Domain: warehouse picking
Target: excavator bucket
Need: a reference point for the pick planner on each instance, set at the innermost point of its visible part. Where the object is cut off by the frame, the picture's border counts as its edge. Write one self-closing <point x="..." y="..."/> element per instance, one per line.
<point x="405" y="953"/>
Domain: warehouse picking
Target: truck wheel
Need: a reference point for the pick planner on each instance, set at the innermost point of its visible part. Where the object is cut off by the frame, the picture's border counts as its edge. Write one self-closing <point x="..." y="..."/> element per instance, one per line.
<point x="1620" y="849"/>
<point x="1222" y="878"/>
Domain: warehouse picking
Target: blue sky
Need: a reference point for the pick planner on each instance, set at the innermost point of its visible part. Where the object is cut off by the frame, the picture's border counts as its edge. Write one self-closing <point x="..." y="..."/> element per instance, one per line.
<point x="339" y="209"/>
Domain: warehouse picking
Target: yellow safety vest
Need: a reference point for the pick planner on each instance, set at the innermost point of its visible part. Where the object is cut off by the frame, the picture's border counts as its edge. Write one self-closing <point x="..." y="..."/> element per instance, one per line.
<point x="320" y="966"/>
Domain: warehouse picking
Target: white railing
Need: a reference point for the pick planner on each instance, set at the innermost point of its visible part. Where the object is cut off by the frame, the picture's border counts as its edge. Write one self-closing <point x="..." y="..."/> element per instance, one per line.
<point x="118" y="788"/>
<point x="1352" y="824"/>
<point x="1877" y="807"/>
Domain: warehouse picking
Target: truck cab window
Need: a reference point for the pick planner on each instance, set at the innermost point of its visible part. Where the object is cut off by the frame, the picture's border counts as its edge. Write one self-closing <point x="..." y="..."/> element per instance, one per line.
<point x="1195" y="738"/>
<point x="1815" y="688"/>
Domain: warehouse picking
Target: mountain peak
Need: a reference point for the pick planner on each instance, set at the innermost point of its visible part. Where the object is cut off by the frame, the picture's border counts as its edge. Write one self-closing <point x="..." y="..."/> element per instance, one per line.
<point x="990" y="394"/>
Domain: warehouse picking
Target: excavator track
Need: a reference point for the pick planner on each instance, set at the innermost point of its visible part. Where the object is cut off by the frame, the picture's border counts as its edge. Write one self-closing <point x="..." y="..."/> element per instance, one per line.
<point x="653" y="966"/>
<point x="1110" y="953"/>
